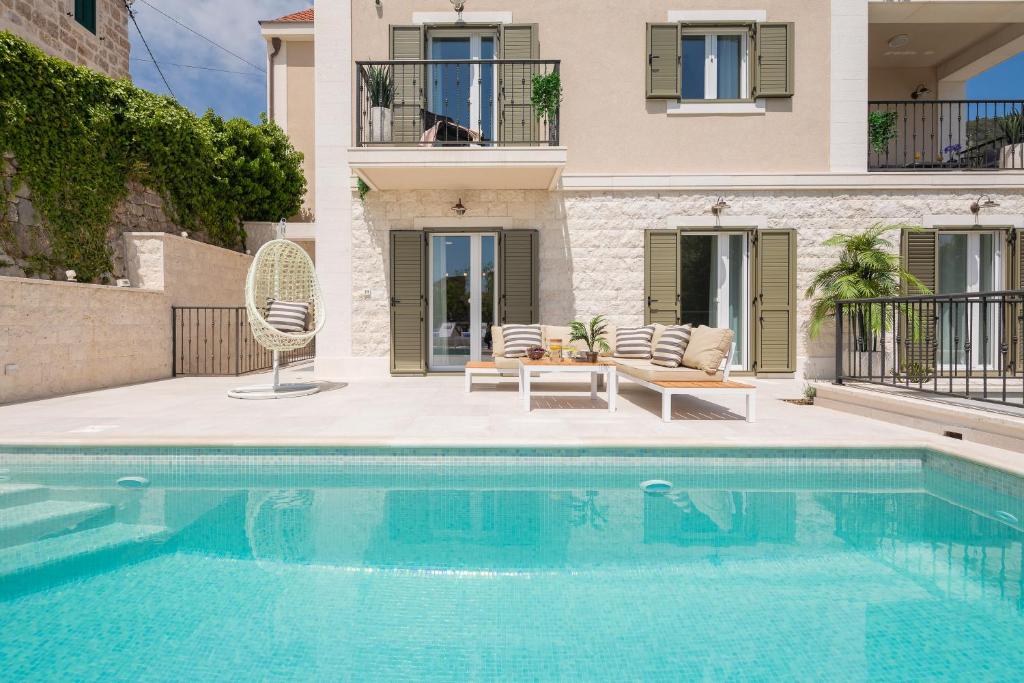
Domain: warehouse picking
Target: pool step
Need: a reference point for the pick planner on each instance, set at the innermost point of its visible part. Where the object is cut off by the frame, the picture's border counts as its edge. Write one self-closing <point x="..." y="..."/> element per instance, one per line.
<point x="32" y="521"/>
<point x="19" y="494"/>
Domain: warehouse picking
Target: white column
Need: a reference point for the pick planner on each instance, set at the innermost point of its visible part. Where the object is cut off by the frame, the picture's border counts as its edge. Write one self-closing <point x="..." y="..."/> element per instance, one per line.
<point x="848" y="129"/>
<point x="333" y="210"/>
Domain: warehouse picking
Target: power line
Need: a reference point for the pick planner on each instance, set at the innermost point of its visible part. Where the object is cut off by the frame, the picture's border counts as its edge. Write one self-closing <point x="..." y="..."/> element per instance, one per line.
<point x="160" y="71"/>
<point x="209" y="40"/>
<point x="194" y="66"/>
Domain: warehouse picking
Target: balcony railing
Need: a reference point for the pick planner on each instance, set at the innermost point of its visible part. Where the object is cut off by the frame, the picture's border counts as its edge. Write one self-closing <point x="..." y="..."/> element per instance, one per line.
<point x="471" y="103"/>
<point x="936" y="135"/>
<point x="967" y="346"/>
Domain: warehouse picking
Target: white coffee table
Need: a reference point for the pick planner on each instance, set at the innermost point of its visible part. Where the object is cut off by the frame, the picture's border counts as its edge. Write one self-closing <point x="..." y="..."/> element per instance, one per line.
<point x="528" y="367"/>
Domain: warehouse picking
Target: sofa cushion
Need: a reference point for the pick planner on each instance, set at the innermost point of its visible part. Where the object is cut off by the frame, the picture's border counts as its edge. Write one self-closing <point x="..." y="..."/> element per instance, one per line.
<point x="648" y="371"/>
<point x="497" y="341"/>
<point x="520" y="338"/>
<point x="707" y="349"/>
<point x="288" y="316"/>
<point x="633" y="342"/>
<point x="668" y="352"/>
<point x="563" y="332"/>
<point x="503" y="363"/>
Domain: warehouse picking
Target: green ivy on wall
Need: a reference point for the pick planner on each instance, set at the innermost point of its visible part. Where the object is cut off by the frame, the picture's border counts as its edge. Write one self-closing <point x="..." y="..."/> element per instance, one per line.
<point x="78" y="137"/>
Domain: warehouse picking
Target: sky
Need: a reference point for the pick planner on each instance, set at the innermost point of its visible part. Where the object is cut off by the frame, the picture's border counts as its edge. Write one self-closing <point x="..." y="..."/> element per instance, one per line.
<point x="232" y="24"/>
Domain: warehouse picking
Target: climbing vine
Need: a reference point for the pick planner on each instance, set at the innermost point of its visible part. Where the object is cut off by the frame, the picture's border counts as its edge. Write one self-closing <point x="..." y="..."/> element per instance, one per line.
<point x="76" y="138"/>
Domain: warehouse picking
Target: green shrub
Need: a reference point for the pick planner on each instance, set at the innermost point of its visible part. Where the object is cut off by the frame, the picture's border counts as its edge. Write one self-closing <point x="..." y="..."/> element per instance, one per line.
<point x="78" y="137"/>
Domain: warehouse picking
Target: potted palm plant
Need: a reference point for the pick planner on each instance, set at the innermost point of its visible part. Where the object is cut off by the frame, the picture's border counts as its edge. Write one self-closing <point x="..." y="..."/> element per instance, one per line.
<point x="380" y="87"/>
<point x="868" y="267"/>
<point x="592" y="335"/>
<point x="1012" y="128"/>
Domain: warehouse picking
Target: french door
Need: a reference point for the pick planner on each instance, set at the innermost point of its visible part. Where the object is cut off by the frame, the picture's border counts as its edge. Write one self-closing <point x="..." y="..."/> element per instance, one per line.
<point x="715" y="285"/>
<point x="969" y="262"/>
<point x="462" y="300"/>
<point x="464" y="92"/>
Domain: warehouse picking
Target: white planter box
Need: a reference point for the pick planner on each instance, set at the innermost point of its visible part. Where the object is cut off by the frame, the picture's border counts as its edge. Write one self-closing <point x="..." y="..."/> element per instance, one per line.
<point x="1012" y="156"/>
<point x="379" y="125"/>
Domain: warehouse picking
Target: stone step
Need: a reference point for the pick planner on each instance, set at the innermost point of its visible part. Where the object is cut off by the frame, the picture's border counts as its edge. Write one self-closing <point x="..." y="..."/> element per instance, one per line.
<point x="19" y="494"/>
<point x="56" y="552"/>
<point x="32" y="521"/>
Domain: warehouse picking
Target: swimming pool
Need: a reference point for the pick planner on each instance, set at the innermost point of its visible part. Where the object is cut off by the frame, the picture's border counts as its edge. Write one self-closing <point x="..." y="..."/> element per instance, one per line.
<point x="313" y="564"/>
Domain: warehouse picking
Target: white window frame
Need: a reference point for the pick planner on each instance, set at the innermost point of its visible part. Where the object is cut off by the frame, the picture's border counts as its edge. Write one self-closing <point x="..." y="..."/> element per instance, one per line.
<point x="475" y="50"/>
<point x="711" y="36"/>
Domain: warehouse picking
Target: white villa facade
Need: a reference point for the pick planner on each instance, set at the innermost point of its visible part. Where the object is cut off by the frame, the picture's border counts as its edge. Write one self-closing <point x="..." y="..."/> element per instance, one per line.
<point x="703" y="152"/>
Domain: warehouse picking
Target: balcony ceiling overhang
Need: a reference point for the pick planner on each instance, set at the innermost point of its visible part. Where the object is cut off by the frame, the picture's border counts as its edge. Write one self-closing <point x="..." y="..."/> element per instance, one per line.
<point x="946" y="11"/>
<point x="458" y="168"/>
<point x="929" y="44"/>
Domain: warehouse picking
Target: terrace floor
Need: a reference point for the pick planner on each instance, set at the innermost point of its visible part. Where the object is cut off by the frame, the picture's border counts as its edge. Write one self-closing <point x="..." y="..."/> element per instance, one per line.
<point x="437" y="411"/>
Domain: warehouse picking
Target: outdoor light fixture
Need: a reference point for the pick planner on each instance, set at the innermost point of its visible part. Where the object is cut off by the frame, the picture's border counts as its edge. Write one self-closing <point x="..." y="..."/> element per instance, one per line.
<point x="719" y="206"/>
<point x="459" y="208"/>
<point x="459" y="5"/>
<point x="920" y="91"/>
<point x="983" y="202"/>
<point x="71" y="275"/>
<point x="899" y="40"/>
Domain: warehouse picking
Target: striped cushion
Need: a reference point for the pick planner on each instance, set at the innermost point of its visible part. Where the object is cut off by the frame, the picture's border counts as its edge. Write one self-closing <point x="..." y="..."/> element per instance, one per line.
<point x="633" y="342"/>
<point x="287" y="316"/>
<point x="519" y="339"/>
<point x="671" y="345"/>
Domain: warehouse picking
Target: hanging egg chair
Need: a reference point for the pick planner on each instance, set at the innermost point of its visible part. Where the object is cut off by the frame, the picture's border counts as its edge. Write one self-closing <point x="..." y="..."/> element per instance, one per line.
<point x="285" y="310"/>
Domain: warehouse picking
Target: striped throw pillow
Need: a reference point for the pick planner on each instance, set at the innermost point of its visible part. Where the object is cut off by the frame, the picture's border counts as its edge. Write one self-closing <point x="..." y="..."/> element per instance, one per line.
<point x="670" y="348"/>
<point x="633" y="342"/>
<point x="287" y="316"/>
<point x="519" y="339"/>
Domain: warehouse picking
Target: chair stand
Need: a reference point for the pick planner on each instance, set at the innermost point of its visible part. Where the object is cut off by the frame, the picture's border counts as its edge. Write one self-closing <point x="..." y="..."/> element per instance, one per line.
<point x="259" y="392"/>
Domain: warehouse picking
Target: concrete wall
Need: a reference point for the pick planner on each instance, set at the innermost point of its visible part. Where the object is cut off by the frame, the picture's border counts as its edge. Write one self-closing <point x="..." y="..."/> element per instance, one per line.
<point x="301" y="125"/>
<point x="66" y="337"/>
<point x="592" y="246"/>
<point x="47" y="24"/>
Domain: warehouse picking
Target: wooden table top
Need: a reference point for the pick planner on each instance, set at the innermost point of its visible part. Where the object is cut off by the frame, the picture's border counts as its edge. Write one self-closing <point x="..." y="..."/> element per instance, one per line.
<point x="554" y="364"/>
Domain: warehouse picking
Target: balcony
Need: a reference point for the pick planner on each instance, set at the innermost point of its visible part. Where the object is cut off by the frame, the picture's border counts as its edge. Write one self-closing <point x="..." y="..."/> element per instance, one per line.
<point x="451" y="124"/>
<point x="946" y="135"/>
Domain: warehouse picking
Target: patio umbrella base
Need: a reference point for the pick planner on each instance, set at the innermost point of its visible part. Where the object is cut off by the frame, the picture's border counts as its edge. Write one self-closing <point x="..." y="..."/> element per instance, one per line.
<point x="266" y="391"/>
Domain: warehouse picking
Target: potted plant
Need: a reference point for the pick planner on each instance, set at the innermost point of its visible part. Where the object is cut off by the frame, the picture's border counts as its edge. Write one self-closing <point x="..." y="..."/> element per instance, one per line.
<point x="868" y="267"/>
<point x="1012" y="128"/>
<point x="380" y="87"/>
<point x="592" y="335"/>
<point x="546" y="98"/>
<point x="881" y="130"/>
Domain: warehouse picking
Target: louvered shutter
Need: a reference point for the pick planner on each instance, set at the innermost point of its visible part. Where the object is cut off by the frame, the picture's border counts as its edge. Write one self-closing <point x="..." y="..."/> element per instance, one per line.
<point x="518" y="123"/>
<point x="663" y="66"/>
<point x="661" y="277"/>
<point x="775" y="345"/>
<point x="519" y="277"/>
<point x="407" y="118"/>
<point x="773" y="72"/>
<point x="408" y="302"/>
<point x="916" y="351"/>
<point x="1013" y="324"/>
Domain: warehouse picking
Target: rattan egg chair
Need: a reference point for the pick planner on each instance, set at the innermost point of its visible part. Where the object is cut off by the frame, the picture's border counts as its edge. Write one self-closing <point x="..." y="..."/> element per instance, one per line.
<point x="281" y="271"/>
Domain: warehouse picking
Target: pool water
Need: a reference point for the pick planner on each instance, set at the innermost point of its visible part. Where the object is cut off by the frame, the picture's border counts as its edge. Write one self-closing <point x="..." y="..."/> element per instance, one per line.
<point x="811" y="566"/>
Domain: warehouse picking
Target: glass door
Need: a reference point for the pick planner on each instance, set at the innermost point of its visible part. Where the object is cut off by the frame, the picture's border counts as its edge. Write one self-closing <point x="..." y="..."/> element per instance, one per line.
<point x="715" y="284"/>
<point x="969" y="262"/>
<point x="463" y="299"/>
<point x="461" y="95"/>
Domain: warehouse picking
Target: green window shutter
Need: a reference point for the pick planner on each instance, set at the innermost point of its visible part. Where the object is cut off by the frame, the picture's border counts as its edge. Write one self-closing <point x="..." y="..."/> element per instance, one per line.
<point x="773" y="70"/>
<point x="408" y="302"/>
<point x="920" y="257"/>
<point x="663" y="67"/>
<point x="519" y="277"/>
<point x="85" y="13"/>
<point x="919" y="251"/>
<point x="661" y="277"/>
<point x="518" y="123"/>
<point x="775" y="345"/>
<point x="407" y="42"/>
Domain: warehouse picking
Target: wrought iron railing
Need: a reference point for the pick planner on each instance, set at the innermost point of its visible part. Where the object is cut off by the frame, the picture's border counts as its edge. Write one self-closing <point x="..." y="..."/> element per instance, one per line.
<point x="215" y="340"/>
<point x="909" y="135"/>
<point x="462" y="103"/>
<point x="967" y="346"/>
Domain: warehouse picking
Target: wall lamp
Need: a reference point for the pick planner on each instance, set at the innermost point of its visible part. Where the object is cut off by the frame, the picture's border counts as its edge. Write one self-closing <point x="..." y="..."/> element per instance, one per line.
<point x="920" y="91"/>
<point x="459" y="208"/>
<point x="719" y="206"/>
<point x="983" y="202"/>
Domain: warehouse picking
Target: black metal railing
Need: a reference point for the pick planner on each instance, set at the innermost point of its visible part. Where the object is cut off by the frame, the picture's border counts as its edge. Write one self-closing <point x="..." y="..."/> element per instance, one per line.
<point x="216" y="340"/>
<point x="967" y="346"/>
<point x="908" y="135"/>
<point x="462" y="103"/>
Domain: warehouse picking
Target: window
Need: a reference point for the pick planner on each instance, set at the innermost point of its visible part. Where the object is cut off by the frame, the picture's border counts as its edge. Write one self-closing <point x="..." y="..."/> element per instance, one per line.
<point x="85" y="13"/>
<point x="715" y="65"/>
